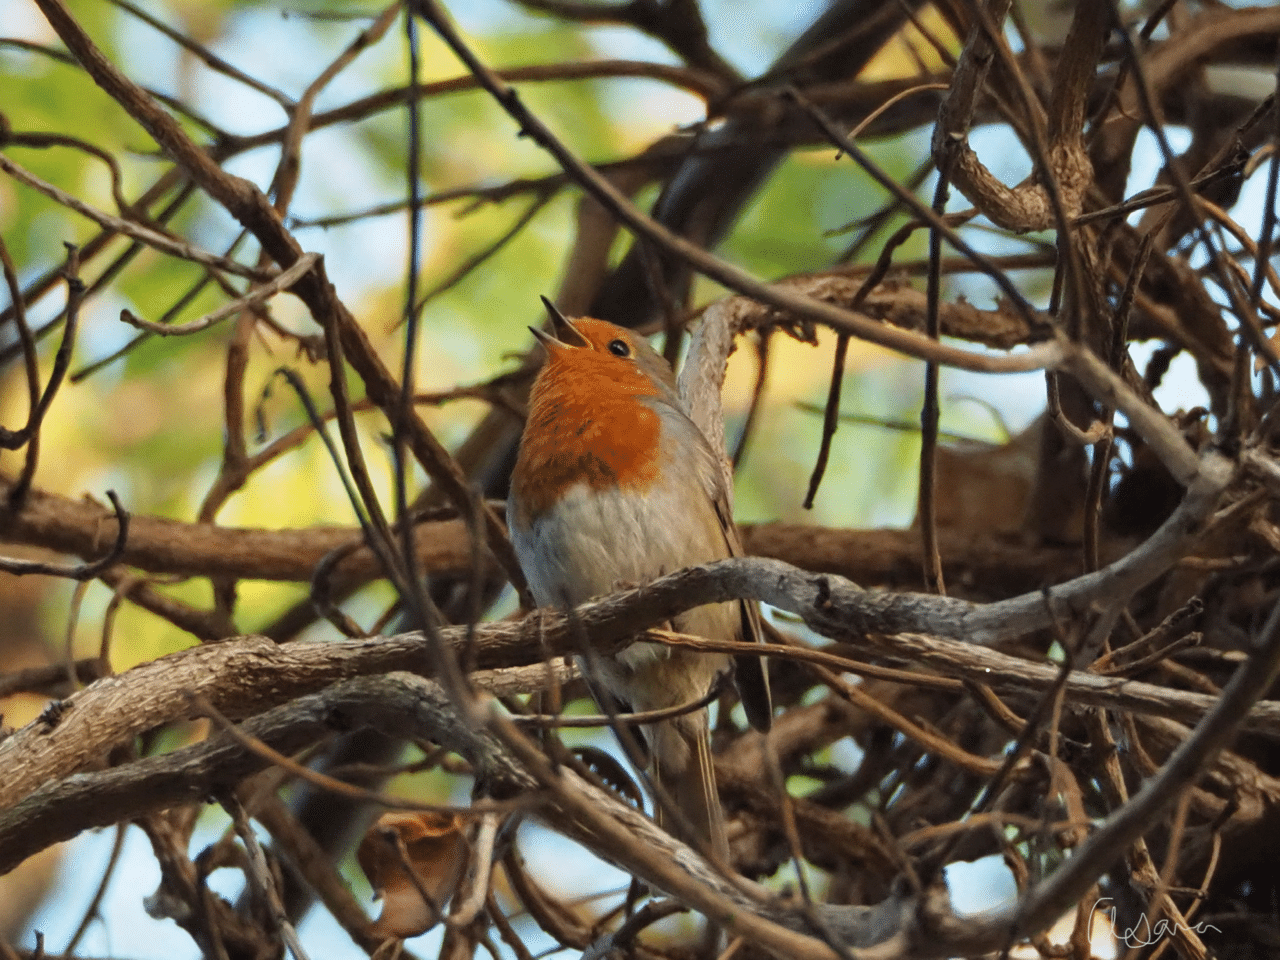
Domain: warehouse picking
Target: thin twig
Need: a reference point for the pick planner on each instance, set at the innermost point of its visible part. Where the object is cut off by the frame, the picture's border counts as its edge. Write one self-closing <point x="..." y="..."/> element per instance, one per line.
<point x="145" y="235"/>
<point x="282" y="281"/>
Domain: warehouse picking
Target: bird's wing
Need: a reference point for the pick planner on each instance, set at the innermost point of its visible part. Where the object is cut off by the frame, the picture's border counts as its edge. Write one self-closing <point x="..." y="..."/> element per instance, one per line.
<point x="750" y="675"/>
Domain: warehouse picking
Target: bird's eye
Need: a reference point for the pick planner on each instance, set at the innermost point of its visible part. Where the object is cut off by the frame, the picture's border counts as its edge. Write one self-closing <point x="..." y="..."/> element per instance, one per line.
<point x="620" y="348"/>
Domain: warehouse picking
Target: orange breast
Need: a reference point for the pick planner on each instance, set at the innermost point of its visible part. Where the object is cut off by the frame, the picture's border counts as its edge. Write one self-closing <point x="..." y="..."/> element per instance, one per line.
<point x="584" y="429"/>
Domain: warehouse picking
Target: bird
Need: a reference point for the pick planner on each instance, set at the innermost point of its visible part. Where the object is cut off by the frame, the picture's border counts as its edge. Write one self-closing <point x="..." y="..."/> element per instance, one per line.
<point x="614" y="486"/>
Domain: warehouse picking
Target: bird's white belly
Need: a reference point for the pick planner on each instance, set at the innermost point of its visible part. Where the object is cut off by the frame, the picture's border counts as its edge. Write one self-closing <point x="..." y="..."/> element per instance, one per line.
<point x="594" y="542"/>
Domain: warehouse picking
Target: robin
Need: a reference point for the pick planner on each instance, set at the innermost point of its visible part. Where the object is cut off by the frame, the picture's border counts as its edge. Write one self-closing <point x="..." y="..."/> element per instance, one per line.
<point x="615" y="486"/>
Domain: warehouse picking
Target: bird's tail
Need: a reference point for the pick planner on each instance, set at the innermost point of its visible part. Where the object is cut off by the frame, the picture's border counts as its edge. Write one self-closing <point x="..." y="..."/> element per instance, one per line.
<point x="683" y="768"/>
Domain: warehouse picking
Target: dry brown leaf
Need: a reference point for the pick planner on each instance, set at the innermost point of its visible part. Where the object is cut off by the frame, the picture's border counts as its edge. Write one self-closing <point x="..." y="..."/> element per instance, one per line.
<point x="434" y="847"/>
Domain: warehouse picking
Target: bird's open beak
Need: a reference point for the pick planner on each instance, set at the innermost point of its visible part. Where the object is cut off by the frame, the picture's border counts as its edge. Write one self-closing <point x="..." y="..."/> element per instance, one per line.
<point x="549" y="342"/>
<point x="564" y="333"/>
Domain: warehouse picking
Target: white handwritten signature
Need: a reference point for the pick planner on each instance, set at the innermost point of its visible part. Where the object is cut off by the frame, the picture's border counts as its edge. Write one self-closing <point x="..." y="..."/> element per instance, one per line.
<point x="1144" y="933"/>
